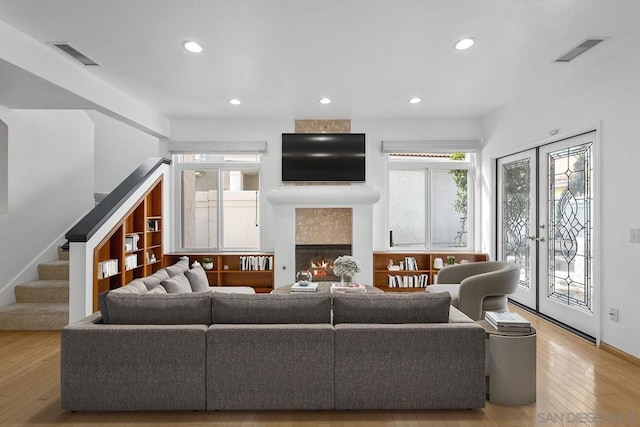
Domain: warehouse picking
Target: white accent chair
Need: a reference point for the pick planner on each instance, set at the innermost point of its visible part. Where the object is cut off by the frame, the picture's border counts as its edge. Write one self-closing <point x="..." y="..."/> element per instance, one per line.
<point x="477" y="287"/>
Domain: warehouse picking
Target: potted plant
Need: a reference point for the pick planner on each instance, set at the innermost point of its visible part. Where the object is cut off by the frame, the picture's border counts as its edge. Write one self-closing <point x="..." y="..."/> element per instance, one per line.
<point x="207" y="263"/>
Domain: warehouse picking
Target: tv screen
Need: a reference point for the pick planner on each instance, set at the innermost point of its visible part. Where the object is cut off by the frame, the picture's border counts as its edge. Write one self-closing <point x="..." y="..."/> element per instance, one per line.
<point x="323" y="157"/>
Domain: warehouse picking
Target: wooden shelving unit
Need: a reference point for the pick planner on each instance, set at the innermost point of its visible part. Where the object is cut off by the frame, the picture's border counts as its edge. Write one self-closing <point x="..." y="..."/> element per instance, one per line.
<point x="228" y="271"/>
<point x="424" y="264"/>
<point x="117" y="246"/>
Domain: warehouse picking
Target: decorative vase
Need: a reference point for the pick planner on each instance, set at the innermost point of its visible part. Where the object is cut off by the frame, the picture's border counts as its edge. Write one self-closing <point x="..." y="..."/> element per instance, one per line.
<point x="207" y="265"/>
<point x="345" y="279"/>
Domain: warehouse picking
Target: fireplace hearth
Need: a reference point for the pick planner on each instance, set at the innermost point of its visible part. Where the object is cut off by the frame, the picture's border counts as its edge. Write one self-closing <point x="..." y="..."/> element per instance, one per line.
<point x="318" y="259"/>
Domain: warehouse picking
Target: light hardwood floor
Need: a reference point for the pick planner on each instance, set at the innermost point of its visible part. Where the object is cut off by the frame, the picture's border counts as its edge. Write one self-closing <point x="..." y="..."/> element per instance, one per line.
<point x="577" y="385"/>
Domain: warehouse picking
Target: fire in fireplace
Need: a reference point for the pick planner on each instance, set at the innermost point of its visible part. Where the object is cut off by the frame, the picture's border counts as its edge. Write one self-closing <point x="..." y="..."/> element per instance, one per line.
<point x="318" y="259"/>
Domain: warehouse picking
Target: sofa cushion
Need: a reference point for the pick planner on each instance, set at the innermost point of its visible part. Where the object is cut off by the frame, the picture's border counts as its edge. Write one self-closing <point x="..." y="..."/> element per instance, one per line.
<point x="197" y="279"/>
<point x="179" y="267"/>
<point x="177" y="284"/>
<point x="155" y="279"/>
<point x="271" y="308"/>
<point x="159" y="309"/>
<point x="416" y="307"/>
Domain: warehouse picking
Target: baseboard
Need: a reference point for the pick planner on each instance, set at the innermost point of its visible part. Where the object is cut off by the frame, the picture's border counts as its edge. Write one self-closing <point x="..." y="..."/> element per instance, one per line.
<point x="621" y="354"/>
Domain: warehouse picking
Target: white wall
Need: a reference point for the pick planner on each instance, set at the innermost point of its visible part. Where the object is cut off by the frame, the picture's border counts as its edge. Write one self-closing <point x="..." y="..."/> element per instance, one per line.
<point x="403" y="130"/>
<point x="119" y="150"/>
<point x="271" y="131"/>
<point x="50" y="187"/>
<point x="602" y="90"/>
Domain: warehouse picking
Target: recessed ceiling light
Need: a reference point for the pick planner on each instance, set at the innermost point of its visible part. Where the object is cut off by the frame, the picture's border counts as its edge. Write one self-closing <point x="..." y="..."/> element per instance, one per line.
<point x="191" y="46"/>
<point x="465" y="43"/>
<point x="415" y="100"/>
<point x="235" y="101"/>
<point x="325" y="101"/>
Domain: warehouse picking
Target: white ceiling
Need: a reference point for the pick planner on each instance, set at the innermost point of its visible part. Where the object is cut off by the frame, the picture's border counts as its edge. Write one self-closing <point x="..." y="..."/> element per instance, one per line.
<point x="279" y="57"/>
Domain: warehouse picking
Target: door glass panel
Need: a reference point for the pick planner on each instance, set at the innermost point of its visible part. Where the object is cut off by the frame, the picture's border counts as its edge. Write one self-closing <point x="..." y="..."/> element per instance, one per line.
<point x="199" y="209"/>
<point x="449" y="208"/>
<point x="570" y="225"/>
<point x="241" y="209"/>
<point x="407" y="208"/>
<point x="516" y="227"/>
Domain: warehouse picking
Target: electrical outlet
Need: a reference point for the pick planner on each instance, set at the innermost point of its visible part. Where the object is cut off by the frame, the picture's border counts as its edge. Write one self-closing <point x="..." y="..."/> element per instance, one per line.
<point x="634" y="235"/>
<point x="614" y="314"/>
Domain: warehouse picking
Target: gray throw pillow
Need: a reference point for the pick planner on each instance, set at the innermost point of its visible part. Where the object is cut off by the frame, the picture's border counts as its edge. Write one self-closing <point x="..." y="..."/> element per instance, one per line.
<point x="415" y="307"/>
<point x="179" y="267"/>
<point x="271" y="308"/>
<point x="155" y="279"/>
<point x="135" y="286"/>
<point x="177" y="285"/>
<point x="197" y="279"/>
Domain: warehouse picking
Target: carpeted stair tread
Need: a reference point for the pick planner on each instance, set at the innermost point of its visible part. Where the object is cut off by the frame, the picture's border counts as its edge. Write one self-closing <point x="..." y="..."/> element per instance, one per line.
<point x="43" y="291"/>
<point x="34" y="316"/>
<point x="54" y="270"/>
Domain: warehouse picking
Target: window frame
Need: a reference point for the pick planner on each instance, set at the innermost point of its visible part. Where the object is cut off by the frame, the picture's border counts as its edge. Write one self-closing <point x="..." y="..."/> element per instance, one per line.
<point x="219" y="167"/>
<point x="430" y="165"/>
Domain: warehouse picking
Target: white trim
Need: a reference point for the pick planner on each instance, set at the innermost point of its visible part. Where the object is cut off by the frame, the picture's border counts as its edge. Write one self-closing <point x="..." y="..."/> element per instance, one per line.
<point x="432" y="146"/>
<point x="204" y="147"/>
<point x="323" y="194"/>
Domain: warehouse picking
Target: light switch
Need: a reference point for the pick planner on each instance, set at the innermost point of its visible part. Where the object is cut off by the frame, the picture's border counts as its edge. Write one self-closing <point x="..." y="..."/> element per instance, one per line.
<point x="634" y="235"/>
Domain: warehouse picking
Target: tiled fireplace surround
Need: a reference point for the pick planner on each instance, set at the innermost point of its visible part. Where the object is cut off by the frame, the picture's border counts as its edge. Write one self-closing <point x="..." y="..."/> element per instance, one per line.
<point x="357" y="199"/>
<point x="322" y="234"/>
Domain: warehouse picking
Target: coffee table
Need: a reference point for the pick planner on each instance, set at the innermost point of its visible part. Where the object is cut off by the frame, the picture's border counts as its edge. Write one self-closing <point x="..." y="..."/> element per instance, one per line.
<point x="323" y="288"/>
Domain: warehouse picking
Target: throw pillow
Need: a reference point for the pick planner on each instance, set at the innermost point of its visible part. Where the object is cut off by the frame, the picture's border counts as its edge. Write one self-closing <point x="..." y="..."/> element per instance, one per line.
<point x="177" y="285"/>
<point x="197" y="279"/>
<point x="417" y="307"/>
<point x="155" y="279"/>
<point x="179" y="267"/>
<point x="271" y="308"/>
<point x="158" y="290"/>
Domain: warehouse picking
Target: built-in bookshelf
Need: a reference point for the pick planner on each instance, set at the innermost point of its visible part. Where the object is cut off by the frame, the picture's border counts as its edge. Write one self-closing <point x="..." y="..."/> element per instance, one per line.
<point x="413" y="271"/>
<point x="131" y="250"/>
<point x="253" y="269"/>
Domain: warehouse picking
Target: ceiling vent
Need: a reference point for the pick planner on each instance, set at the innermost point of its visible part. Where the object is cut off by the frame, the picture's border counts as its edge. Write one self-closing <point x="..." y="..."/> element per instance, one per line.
<point x="66" y="48"/>
<point x="580" y="49"/>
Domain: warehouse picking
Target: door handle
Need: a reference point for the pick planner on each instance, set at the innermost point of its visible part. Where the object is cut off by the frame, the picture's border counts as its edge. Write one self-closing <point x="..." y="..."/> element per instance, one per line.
<point x="539" y="239"/>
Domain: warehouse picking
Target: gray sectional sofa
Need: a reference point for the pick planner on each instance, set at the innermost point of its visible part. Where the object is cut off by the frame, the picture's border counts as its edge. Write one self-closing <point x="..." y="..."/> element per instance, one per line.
<point x="216" y="351"/>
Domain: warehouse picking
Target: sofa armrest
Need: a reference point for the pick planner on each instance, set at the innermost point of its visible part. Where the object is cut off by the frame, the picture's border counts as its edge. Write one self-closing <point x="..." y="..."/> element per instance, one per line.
<point x="456" y="316"/>
<point x="419" y="366"/>
<point x="132" y="367"/>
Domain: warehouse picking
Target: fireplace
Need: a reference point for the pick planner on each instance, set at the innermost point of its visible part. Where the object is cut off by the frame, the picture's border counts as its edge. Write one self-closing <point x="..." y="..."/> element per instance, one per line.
<point x="318" y="259"/>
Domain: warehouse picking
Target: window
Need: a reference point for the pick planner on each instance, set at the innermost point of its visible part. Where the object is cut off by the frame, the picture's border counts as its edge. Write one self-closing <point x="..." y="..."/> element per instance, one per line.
<point x="430" y="199"/>
<point x="219" y="197"/>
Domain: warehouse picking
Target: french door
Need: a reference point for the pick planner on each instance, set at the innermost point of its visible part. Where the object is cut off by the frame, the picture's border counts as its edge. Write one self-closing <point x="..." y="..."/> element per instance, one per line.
<point x="546" y="226"/>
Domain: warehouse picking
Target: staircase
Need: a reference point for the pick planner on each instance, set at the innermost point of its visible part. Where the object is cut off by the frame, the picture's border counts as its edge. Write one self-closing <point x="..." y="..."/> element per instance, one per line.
<point x="42" y="304"/>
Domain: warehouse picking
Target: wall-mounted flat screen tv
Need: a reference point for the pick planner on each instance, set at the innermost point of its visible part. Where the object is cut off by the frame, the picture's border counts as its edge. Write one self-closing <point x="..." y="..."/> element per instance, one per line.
<point x="323" y="157"/>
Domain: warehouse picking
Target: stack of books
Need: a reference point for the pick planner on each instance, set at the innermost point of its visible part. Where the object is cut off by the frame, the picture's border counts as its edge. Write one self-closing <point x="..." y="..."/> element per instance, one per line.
<point x="350" y="287"/>
<point x="304" y="287"/>
<point x="507" y="322"/>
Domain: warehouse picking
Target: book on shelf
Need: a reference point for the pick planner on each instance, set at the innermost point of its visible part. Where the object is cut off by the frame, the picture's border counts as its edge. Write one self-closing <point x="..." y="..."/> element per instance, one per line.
<point x="131" y="261"/>
<point x="408" y="281"/>
<point x="256" y="262"/>
<point x="410" y="263"/>
<point x="348" y="287"/>
<point x="304" y="287"/>
<point x="107" y="268"/>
